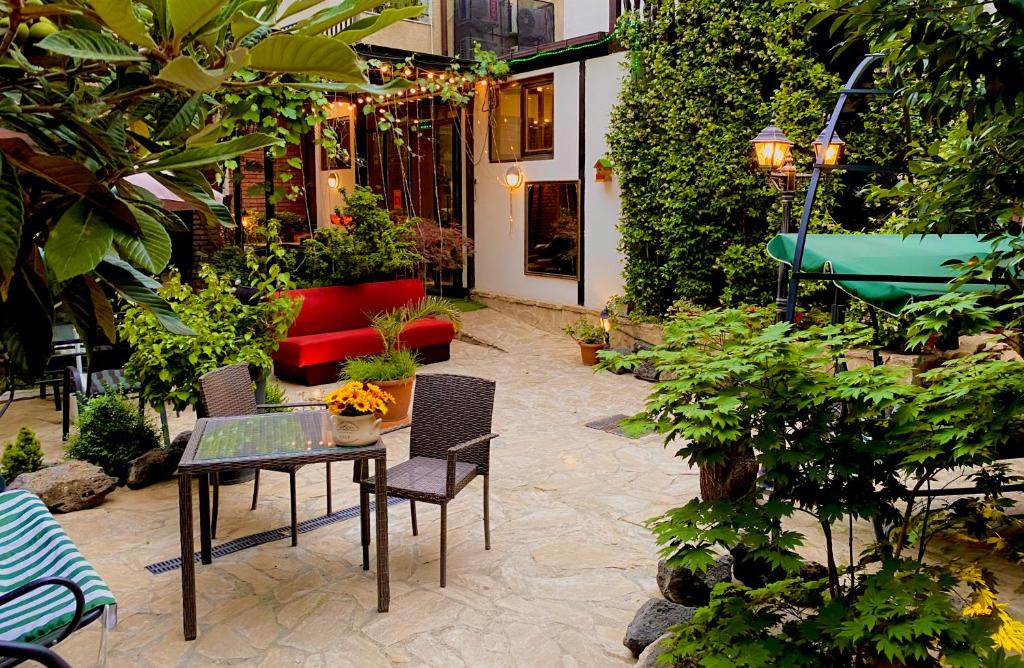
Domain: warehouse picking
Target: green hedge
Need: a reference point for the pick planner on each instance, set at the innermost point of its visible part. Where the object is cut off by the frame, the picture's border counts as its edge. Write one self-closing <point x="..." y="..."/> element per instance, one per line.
<point x="704" y="79"/>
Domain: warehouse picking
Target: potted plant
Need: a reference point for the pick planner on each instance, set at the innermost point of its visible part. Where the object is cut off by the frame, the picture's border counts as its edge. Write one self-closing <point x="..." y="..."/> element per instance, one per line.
<point x="354" y="408"/>
<point x="394" y="370"/>
<point x="590" y="337"/>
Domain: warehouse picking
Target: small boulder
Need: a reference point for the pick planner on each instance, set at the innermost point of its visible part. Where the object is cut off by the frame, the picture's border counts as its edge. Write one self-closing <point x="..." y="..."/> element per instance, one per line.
<point x="683" y="586"/>
<point x="68" y="487"/>
<point x="649" y="657"/>
<point x="651" y="621"/>
<point x="152" y="467"/>
<point x="181" y="441"/>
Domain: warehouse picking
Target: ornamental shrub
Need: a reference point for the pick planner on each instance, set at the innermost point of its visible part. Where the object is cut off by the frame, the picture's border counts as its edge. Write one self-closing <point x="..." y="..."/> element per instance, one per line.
<point x="704" y="76"/>
<point x="227" y="330"/>
<point x="110" y="433"/>
<point x="838" y="446"/>
<point x="22" y="455"/>
<point x="369" y="246"/>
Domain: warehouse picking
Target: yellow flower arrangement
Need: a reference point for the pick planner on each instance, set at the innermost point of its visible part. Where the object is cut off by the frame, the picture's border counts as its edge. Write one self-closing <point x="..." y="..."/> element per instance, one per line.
<point x="358" y="398"/>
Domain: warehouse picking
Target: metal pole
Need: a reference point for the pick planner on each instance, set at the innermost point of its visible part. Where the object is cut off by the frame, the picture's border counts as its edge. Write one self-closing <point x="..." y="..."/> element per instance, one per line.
<point x="786" y="180"/>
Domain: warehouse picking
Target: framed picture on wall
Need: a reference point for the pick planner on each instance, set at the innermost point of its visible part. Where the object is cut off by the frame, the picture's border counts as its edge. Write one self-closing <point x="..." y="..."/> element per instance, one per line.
<point x="342" y="127"/>
<point x="553" y="228"/>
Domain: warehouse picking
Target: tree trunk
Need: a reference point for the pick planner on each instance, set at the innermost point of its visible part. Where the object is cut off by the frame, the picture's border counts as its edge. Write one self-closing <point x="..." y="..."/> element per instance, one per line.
<point x="732" y="480"/>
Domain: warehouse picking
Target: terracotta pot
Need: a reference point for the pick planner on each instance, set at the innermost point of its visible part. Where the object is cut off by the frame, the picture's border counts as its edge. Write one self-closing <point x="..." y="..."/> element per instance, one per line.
<point x="588" y="352"/>
<point x="355" y="430"/>
<point x="401" y="390"/>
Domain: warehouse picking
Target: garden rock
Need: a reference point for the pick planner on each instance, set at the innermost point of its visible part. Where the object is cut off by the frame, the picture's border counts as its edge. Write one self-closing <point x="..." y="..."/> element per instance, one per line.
<point x="649" y="657"/>
<point x="646" y="370"/>
<point x="152" y="467"/>
<point x="68" y="487"/>
<point x="180" y="441"/>
<point x="651" y="621"/>
<point x="683" y="586"/>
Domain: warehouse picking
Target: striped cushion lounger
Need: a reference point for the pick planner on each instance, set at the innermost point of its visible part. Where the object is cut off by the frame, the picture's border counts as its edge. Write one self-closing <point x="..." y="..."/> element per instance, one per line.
<point x="47" y="588"/>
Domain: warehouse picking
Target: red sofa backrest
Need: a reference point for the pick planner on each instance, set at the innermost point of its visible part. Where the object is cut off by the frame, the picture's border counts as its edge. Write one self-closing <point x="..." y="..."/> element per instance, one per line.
<point x="342" y="307"/>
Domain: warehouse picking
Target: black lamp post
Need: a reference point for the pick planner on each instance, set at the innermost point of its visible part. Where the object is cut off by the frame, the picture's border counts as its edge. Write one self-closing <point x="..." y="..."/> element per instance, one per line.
<point x="773" y="155"/>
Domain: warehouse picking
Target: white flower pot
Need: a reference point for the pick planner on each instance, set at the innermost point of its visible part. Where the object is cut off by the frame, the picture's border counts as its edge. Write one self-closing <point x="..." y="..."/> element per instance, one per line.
<point x="355" y="430"/>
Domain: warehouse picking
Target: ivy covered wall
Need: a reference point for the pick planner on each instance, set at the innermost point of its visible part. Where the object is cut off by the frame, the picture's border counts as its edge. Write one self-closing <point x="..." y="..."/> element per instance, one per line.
<point x="704" y="77"/>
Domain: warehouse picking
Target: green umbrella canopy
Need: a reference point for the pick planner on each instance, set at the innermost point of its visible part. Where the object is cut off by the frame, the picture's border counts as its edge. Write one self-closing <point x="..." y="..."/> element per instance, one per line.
<point x="891" y="255"/>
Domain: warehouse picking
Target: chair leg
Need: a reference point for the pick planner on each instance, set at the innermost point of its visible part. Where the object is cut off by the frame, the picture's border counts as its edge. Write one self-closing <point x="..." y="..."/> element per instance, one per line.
<point x="295" y="514"/>
<point x="412" y="511"/>
<point x="56" y="396"/>
<point x="216" y="504"/>
<point x="487" y="512"/>
<point x="255" y="490"/>
<point x="329" y="488"/>
<point x="444" y="542"/>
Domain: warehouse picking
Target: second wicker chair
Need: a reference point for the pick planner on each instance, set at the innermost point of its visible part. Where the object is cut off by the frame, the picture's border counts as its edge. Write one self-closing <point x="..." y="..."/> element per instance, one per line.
<point x="449" y="445"/>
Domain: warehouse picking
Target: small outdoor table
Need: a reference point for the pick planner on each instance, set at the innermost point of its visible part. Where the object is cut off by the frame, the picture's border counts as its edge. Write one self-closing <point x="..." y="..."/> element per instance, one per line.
<point x="266" y="441"/>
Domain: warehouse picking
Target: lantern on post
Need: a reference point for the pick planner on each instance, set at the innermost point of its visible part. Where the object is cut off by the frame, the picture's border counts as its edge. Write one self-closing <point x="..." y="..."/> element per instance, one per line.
<point x="828" y="152"/>
<point x="771" y="146"/>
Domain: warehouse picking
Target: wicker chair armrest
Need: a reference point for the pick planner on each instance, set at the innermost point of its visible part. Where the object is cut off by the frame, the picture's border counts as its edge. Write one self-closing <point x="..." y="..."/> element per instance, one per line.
<point x="26" y="651"/>
<point x="453" y="457"/>
<point x="300" y="404"/>
<point x="75" y="590"/>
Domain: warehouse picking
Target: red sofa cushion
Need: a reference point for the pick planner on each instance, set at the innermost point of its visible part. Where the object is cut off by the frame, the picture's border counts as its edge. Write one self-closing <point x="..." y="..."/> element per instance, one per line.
<point x="427" y="332"/>
<point x="344" y="307"/>
<point x="302" y="351"/>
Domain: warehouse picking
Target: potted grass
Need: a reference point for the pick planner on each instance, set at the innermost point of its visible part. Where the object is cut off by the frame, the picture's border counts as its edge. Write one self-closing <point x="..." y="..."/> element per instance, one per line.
<point x="394" y="370"/>
<point x="590" y="338"/>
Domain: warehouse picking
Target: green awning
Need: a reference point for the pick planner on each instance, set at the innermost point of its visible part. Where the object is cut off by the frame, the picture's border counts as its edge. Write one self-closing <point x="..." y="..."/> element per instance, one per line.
<point x="891" y="255"/>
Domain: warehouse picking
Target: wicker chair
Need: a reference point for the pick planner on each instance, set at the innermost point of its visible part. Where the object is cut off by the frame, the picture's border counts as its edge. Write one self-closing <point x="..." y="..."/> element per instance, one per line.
<point x="449" y="445"/>
<point x="227" y="392"/>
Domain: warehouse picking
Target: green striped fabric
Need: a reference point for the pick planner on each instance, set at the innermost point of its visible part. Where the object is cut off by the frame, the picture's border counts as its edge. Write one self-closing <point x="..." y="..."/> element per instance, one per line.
<point x="34" y="546"/>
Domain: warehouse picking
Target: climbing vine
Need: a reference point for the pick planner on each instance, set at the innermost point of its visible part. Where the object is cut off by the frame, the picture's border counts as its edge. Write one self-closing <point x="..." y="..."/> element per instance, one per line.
<point x="704" y="77"/>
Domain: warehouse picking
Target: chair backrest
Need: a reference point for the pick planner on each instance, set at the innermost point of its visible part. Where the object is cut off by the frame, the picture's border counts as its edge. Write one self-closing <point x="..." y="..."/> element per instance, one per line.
<point x="228" y="391"/>
<point x="447" y="410"/>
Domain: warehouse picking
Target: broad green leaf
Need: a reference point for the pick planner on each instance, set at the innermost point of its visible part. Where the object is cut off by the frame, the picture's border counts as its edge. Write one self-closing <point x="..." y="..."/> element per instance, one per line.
<point x="242" y="24"/>
<point x="181" y="119"/>
<point x="187" y="15"/>
<point x="77" y="242"/>
<point x="332" y="16"/>
<point x="302" y="5"/>
<point x="205" y="156"/>
<point x="12" y="218"/>
<point x="89" y="310"/>
<point x="139" y="289"/>
<point x="191" y="186"/>
<point x="372" y="24"/>
<point x="151" y="251"/>
<point x="119" y="17"/>
<point x="300" y="54"/>
<point x="211" y="134"/>
<point x="26" y="319"/>
<point x="88" y="44"/>
<point x="186" y="72"/>
<point x="71" y="177"/>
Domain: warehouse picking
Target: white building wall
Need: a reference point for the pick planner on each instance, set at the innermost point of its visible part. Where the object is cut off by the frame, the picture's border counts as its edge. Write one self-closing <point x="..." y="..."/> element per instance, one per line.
<point x="604" y="263"/>
<point x="501" y="242"/>
<point x="583" y="17"/>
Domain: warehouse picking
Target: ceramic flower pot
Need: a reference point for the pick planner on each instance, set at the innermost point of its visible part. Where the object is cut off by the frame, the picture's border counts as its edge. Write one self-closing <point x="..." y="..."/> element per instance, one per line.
<point x="355" y="430"/>
<point x="401" y="390"/>
<point x="588" y="352"/>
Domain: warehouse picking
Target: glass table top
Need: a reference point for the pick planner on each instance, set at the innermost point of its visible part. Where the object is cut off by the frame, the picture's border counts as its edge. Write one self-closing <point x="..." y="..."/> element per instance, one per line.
<point x="265" y="435"/>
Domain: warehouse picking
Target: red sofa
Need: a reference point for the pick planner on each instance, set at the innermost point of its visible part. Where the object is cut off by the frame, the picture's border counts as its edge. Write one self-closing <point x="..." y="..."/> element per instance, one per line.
<point x="334" y="325"/>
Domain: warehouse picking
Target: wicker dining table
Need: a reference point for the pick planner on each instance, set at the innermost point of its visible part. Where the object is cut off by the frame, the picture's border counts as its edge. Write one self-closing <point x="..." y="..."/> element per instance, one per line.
<point x="265" y="441"/>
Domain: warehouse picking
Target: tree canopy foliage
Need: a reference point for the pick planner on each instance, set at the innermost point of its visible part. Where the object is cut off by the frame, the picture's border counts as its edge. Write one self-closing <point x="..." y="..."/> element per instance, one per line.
<point x="118" y="88"/>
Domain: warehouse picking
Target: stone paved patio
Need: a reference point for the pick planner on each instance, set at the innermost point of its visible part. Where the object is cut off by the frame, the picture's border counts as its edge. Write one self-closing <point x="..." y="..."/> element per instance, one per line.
<point x="570" y="562"/>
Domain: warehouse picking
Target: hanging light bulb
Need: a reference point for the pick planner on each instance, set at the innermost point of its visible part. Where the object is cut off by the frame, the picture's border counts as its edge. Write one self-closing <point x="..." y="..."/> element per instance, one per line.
<point x="406" y="72"/>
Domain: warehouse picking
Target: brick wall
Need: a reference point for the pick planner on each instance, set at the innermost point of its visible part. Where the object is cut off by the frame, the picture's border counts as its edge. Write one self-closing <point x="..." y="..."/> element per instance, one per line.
<point x="252" y="182"/>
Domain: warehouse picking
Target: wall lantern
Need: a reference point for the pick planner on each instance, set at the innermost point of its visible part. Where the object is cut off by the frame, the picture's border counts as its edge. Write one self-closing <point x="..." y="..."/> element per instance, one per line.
<point x="771" y="146"/>
<point x="513" y="177"/>
<point x="603" y="170"/>
<point x="606" y="323"/>
<point x="831" y="154"/>
<point x="332" y="181"/>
